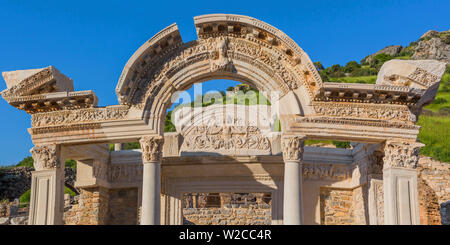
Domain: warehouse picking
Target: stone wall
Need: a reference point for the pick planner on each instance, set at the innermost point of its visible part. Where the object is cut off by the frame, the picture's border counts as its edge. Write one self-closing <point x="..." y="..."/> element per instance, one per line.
<point x="91" y="208"/>
<point x="359" y="207"/>
<point x="433" y="189"/>
<point x="16" y="181"/>
<point x="227" y="209"/>
<point x="101" y="206"/>
<point x="123" y="207"/>
<point x="253" y="214"/>
<point x="342" y="206"/>
<point x="335" y="206"/>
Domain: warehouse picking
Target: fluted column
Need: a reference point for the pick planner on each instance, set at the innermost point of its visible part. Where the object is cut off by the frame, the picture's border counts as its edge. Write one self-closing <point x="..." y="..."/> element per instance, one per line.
<point x="401" y="204"/>
<point x="151" y="181"/>
<point x="47" y="186"/>
<point x="292" y="199"/>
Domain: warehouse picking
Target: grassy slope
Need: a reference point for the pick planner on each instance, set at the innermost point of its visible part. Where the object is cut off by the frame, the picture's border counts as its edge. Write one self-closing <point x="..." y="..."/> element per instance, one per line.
<point x="435" y="134"/>
<point x="366" y="79"/>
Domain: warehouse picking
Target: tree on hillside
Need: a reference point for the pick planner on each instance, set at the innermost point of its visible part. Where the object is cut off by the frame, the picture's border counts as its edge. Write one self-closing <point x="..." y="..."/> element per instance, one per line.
<point x="318" y="65"/>
<point x="379" y="60"/>
<point x="351" y="67"/>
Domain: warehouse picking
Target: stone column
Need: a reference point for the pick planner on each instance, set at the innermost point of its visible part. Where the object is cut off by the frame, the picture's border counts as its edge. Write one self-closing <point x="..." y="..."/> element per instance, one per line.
<point x="401" y="204"/>
<point x="118" y="147"/>
<point x="292" y="198"/>
<point x="151" y="181"/>
<point x="47" y="186"/>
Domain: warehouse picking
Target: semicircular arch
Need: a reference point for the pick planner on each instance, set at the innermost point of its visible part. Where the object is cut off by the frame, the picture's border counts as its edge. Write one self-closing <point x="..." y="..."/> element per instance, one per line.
<point x="233" y="47"/>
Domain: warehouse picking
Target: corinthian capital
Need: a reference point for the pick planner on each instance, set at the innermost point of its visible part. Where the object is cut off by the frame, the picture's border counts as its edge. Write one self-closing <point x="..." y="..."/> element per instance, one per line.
<point x="151" y="148"/>
<point x="292" y="147"/>
<point x="45" y="157"/>
<point x="401" y="154"/>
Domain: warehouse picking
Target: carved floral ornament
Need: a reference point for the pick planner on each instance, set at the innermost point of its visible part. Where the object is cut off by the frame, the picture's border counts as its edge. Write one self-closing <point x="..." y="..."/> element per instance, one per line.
<point x="401" y="154"/>
<point x="361" y="110"/>
<point x="151" y="148"/>
<point x="66" y="117"/>
<point x="292" y="147"/>
<point x="45" y="157"/>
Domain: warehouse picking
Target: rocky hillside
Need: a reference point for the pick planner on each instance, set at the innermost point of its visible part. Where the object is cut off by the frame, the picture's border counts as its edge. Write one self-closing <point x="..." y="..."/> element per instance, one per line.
<point x="432" y="45"/>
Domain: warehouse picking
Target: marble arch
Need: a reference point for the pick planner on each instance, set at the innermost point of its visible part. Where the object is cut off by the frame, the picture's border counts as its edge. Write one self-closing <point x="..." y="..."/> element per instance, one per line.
<point x="378" y="119"/>
<point x="228" y="47"/>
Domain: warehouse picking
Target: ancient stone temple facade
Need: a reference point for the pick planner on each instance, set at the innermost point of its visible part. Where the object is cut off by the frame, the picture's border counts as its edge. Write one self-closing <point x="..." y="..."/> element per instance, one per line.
<point x="283" y="181"/>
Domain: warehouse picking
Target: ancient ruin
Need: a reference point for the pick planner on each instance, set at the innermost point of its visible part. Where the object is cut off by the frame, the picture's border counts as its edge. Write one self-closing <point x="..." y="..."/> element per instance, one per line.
<point x="237" y="168"/>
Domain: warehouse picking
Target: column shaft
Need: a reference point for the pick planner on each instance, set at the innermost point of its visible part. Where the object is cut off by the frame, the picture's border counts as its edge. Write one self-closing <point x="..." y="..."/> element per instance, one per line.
<point x="151" y="181"/>
<point x="151" y="189"/>
<point x="292" y="205"/>
<point x="292" y="198"/>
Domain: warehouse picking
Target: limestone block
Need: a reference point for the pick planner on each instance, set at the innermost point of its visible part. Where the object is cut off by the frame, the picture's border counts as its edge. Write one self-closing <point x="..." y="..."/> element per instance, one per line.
<point x="421" y="74"/>
<point x="14" y="77"/>
<point x="21" y="220"/>
<point x="4" y="221"/>
<point x="172" y="144"/>
<point x="36" y="81"/>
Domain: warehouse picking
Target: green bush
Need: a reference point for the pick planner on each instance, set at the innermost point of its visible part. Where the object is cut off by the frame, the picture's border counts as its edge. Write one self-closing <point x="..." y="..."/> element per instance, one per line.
<point x="71" y="163"/>
<point x="341" y="144"/>
<point x="379" y="59"/>
<point x="131" y="146"/>
<point x="26" y="196"/>
<point x="169" y="126"/>
<point x="26" y="162"/>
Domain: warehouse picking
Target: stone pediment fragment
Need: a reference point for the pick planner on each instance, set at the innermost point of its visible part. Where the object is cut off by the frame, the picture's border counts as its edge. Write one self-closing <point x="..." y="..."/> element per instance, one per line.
<point x="420" y="74"/>
<point x="35" y="81"/>
<point x="43" y="90"/>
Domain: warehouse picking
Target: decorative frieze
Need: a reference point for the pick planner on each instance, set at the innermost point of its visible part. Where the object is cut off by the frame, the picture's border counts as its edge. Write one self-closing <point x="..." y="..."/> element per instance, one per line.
<point x="355" y="121"/>
<point x="88" y="115"/>
<point x="45" y="157"/>
<point x="151" y="148"/>
<point x="360" y="110"/>
<point x="292" y="147"/>
<point x="401" y="154"/>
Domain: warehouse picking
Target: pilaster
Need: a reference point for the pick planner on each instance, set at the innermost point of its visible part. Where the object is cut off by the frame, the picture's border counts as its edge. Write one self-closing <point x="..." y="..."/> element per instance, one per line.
<point x="47" y="186"/>
<point x="401" y="205"/>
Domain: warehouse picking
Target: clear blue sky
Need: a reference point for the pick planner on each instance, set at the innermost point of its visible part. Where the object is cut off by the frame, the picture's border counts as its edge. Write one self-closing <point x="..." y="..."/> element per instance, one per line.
<point x="90" y="41"/>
